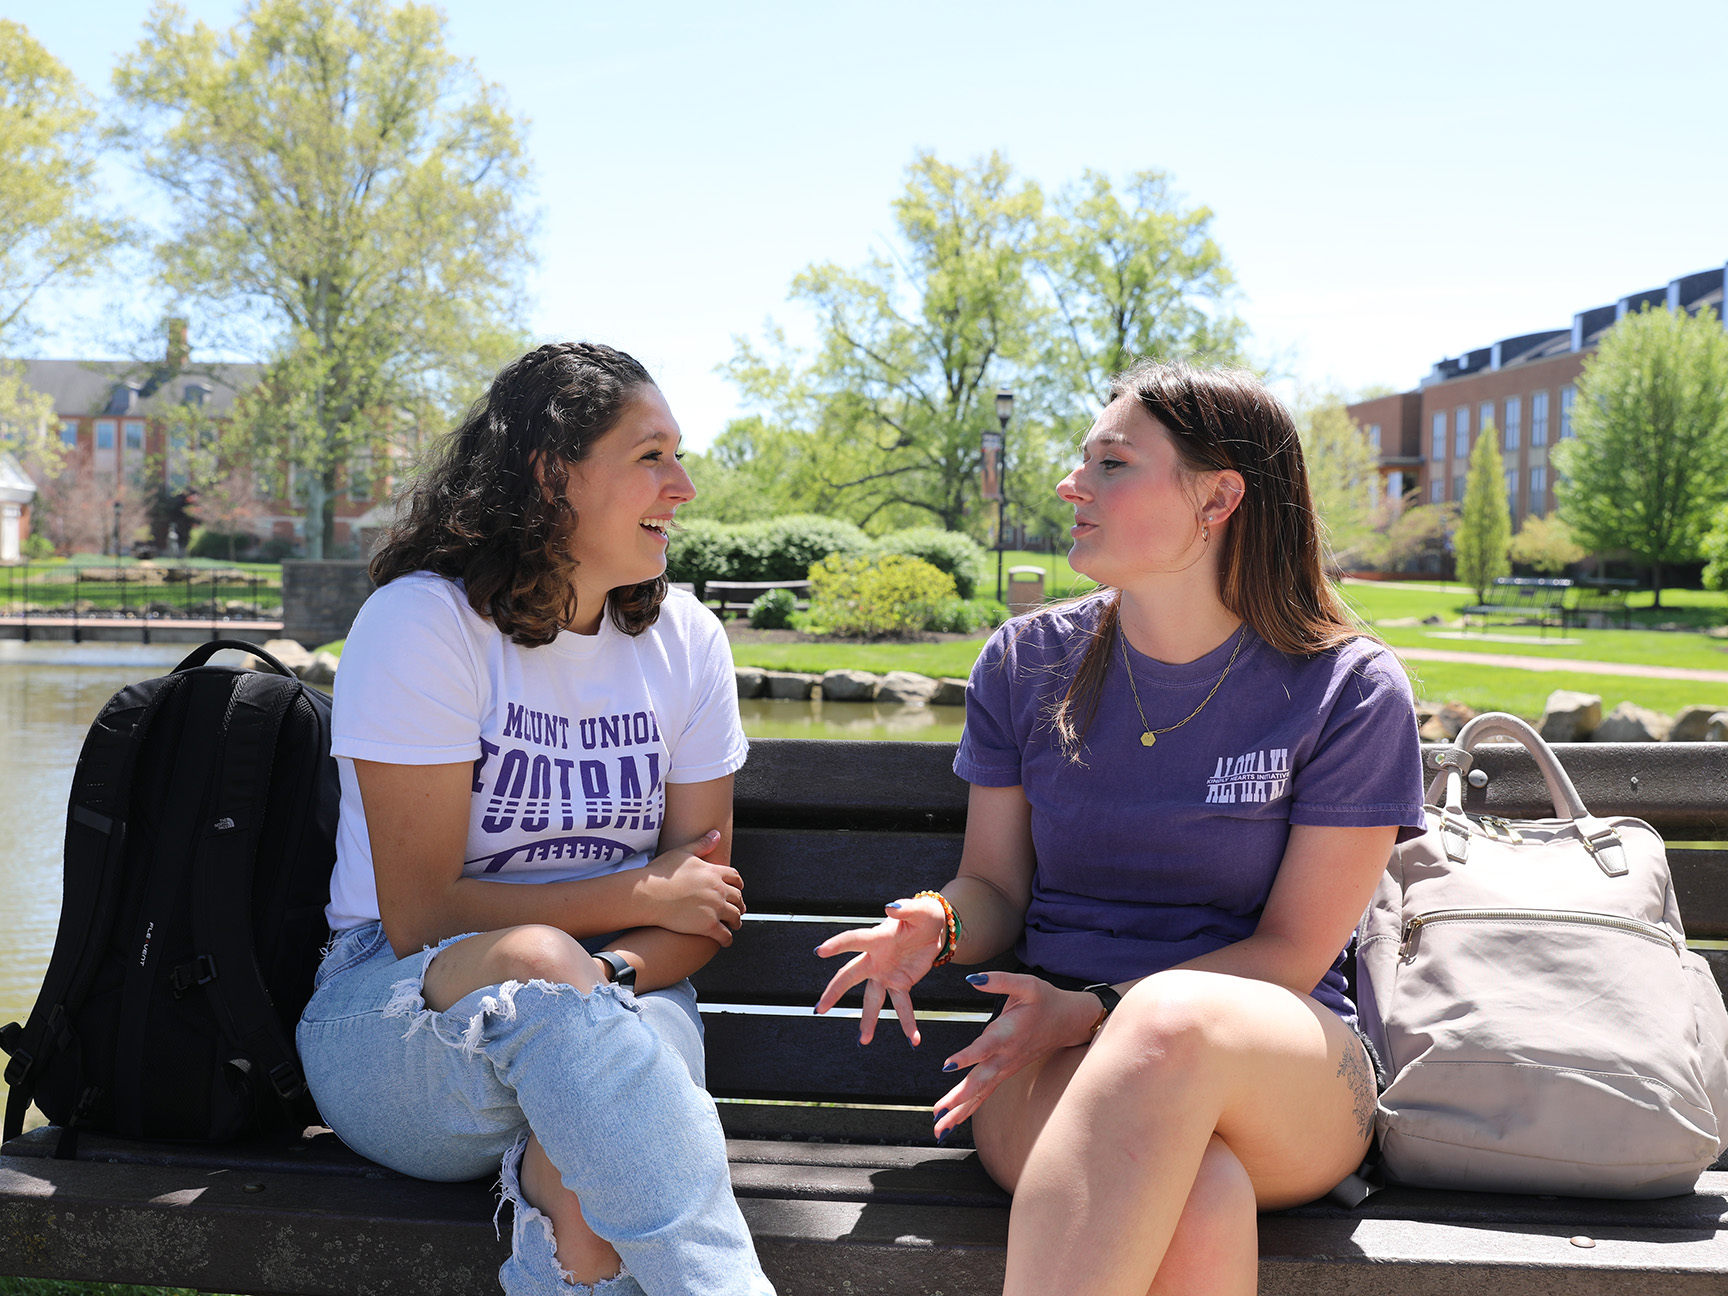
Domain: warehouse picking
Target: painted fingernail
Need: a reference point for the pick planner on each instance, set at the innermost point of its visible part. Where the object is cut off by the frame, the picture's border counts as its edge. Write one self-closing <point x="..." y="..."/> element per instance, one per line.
<point x="892" y="904"/>
<point x="939" y="1115"/>
<point x="978" y="978"/>
<point x="943" y="1137"/>
<point x="817" y="951"/>
<point x="950" y="1066"/>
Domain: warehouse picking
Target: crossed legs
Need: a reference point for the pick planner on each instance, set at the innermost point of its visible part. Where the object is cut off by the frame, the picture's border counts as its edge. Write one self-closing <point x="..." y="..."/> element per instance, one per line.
<point x="1138" y="1163"/>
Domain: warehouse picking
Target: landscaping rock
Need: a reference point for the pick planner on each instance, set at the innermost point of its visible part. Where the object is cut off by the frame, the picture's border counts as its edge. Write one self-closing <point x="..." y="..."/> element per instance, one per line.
<point x="1432" y="620"/>
<point x="1718" y="730"/>
<point x="1693" y="723"/>
<point x="290" y="652"/>
<point x="750" y="679"/>
<point x="321" y="670"/>
<point x="791" y="686"/>
<point x="951" y="692"/>
<point x="1444" y="723"/>
<point x="907" y="687"/>
<point x="1630" y="722"/>
<point x="850" y="685"/>
<point x="1569" y="716"/>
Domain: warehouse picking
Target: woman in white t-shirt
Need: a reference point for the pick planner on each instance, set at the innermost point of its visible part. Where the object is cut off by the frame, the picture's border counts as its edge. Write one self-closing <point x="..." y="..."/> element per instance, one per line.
<point x="536" y="742"/>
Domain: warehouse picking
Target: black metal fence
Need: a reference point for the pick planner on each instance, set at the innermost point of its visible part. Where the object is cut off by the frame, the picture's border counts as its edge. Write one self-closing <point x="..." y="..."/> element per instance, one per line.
<point x="136" y="596"/>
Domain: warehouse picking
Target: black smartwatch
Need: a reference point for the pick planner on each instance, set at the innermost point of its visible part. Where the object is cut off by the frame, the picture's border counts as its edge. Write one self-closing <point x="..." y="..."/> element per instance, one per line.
<point x="623" y="973"/>
<point x="1108" y="997"/>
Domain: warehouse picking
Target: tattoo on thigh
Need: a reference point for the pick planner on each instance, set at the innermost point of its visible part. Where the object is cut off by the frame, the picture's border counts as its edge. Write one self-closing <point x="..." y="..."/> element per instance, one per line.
<point x="1353" y="1068"/>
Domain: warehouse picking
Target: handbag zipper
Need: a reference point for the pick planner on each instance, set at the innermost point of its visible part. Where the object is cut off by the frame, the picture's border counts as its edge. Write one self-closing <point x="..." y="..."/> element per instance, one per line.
<point x="1413" y="927"/>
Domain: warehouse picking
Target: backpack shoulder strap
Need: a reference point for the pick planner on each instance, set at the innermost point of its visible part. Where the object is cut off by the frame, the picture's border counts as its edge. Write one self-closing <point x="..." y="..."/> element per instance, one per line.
<point x="225" y="849"/>
<point x="95" y="842"/>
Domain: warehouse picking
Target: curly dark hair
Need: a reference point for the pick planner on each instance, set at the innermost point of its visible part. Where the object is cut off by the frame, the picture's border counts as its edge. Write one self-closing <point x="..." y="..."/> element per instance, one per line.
<point x="480" y="513"/>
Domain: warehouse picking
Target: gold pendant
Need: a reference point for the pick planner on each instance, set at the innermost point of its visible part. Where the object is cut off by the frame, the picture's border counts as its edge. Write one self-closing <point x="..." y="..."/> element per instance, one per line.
<point x="1148" y="738"/>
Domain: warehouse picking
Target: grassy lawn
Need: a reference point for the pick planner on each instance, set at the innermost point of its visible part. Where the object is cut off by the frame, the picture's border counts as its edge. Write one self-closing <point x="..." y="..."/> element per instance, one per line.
<point x="934" y="659"/>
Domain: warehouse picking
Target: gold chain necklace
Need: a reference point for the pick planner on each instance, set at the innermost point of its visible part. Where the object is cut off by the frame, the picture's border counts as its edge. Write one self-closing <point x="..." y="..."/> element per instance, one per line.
<point x="1150" y="735"/>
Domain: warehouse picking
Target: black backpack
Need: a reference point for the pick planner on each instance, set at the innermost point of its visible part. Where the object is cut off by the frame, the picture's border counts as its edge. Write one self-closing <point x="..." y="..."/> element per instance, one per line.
<point x="199" y="844"/>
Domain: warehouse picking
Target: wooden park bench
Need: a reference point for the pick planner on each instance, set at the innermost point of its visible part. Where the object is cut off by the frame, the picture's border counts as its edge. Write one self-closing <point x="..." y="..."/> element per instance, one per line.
<point x="737" y="596"/>
<point x="1600" y="600"/>
<point x="1524" y="599"/>
<point x="830" y="1144"/>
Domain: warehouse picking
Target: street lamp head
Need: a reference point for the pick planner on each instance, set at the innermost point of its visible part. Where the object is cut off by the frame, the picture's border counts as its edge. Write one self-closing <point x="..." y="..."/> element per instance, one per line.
<point x="1004" y="406"/>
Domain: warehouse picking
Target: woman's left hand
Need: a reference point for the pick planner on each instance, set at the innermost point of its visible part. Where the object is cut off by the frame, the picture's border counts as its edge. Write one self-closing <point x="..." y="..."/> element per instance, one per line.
<point x="1037" y="1020"/>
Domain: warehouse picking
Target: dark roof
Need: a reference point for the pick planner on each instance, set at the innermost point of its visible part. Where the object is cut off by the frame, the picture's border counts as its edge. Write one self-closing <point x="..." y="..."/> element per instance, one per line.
<point x="80" y="388"/>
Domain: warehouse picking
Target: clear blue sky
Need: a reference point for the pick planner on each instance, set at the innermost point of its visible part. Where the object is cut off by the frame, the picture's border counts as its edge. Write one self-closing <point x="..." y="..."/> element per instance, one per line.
<point x="1392" y="182"/>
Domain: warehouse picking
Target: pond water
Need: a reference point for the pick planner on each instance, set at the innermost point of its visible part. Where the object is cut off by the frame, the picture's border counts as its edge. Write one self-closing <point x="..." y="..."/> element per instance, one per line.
<point x="50" y="692"/>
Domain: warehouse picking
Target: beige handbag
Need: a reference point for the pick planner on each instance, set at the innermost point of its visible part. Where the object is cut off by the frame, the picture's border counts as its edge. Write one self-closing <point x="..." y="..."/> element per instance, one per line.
<point x="1529" y="988"/>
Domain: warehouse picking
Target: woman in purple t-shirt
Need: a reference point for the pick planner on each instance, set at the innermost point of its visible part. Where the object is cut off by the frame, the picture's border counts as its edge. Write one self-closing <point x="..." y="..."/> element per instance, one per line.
<point x="1184" y="789"/>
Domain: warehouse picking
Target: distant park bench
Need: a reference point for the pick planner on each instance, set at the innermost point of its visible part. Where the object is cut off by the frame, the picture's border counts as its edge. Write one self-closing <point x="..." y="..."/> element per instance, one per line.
<point x="1599" y="598"/>
<point x="830" y="1145"/>
<point x="737" y="596"/>
<point x="1525" y="599"/>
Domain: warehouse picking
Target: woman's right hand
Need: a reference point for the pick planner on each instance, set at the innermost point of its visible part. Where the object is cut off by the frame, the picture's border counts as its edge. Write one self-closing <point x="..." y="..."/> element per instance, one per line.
<point x="690" y="894"/>
<point x="891" y="958"/>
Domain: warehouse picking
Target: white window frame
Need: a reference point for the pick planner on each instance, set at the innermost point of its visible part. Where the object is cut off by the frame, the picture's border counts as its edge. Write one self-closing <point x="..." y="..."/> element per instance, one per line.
<point x="127" y="428"/>
<point x="112" y="428"/>
<point x="69" y="432"/>
<point x="1568" y="394"/>
<point x="1514" y="420"/>
<point x="1439" y="446"/>
<point x="1539" y="418"/>
<point x="1539" y="489"/>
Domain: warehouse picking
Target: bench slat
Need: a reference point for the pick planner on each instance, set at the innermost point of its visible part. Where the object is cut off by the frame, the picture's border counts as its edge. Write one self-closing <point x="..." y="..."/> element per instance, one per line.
<point x="772" y="963"/>
<point x="882" y="785"/>
<point x="1680" y="789"/>
<point x="749" y="1057"/>
<point x="820" y="871"/>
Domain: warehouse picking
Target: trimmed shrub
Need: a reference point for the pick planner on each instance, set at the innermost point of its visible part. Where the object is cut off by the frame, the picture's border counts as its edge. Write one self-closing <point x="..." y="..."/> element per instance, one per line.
<point x="877" y="596"/>
<point x="781" y="549"/>
<point x="948" y="551"/>
<point x="773" y="610"/>
<point x="700" y="551"/>
<point x="219" y="545"/>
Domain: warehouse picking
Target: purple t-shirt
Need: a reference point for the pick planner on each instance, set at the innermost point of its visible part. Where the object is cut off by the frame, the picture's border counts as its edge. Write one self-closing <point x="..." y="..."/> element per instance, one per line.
<point x="1149" y="856"/>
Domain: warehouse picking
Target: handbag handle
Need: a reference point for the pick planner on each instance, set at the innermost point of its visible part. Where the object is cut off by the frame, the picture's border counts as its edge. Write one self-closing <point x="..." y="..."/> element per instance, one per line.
<point x="1598" y="836"/>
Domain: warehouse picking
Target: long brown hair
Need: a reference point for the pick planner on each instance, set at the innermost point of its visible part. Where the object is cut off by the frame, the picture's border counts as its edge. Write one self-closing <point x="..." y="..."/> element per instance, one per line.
<point x="1272" y="567"/>
<point x="489" y="509"/>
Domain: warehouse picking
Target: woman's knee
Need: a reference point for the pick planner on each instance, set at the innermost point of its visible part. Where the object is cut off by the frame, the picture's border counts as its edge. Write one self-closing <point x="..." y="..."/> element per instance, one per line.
<point x="528" y="953"/>
<point x="1170" y="1022"/>
<point x="539" y="953"/>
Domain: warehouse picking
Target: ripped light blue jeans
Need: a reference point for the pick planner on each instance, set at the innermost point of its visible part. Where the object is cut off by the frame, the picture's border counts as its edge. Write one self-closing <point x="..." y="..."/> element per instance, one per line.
<point x="609" y="1082"/>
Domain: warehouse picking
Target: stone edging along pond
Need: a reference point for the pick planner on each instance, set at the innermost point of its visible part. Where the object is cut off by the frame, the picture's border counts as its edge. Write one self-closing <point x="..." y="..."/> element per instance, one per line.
<point x="906" y="687"/>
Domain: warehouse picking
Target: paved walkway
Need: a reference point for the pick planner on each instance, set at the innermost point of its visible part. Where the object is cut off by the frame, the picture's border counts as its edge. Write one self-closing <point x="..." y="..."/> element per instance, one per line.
<point x="1564" y="664"/>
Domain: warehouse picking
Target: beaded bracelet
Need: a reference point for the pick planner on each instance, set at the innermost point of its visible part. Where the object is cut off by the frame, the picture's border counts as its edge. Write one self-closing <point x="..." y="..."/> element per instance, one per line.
<point x="952" y="929"/>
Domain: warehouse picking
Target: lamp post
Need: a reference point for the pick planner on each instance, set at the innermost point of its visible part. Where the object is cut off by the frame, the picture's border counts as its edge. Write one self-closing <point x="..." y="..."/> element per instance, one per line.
<point x="1004" y="412"/>
<point x="116" y="530"/>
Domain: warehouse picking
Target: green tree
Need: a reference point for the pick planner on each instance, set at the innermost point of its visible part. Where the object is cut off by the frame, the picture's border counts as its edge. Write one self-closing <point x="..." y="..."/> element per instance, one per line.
<point x="887" y="413"/>
<point x="985" y="286"/>
<point x="1132" y="274"/>
<point x="1343" y="471"/>
<point x="343" y="181"/>
<point x="1485" y="521"/>
<point x="50" y="230"/>
<point x="1546" y="544"/>
<point x="1647" y="466"/>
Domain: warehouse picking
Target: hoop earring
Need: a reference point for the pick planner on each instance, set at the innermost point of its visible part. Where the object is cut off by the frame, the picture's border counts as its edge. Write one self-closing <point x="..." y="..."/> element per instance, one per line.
<point x="1205" y="530"/>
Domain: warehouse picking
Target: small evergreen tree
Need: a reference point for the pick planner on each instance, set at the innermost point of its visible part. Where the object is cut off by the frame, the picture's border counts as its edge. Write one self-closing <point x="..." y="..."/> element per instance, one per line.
<point x="1485" y="522"/>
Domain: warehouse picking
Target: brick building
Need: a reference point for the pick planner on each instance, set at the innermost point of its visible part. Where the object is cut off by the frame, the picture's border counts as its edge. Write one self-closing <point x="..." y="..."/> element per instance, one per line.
<point x="1522" y="386"/>
<point x="118" y="450"/>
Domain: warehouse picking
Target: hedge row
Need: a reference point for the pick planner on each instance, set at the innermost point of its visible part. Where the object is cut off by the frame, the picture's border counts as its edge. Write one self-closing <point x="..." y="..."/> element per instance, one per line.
<point x="786" y="548"/>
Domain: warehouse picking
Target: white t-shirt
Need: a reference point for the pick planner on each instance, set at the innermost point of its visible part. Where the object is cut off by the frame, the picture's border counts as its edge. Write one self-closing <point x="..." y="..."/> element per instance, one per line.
<point x="572" y="743"/>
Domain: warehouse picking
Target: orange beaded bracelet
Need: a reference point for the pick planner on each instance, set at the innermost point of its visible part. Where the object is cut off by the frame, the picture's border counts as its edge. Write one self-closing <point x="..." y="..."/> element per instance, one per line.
<point x="952" y="929"/>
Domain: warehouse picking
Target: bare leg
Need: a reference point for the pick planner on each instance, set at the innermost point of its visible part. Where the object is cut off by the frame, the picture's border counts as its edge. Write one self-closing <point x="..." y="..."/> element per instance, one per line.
<point x="524" y="954"/>
<point x="1105" y="1147"/>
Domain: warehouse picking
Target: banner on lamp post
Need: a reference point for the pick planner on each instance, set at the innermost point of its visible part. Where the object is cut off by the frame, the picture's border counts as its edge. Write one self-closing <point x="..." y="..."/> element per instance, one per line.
<point x="990" y="473"/>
